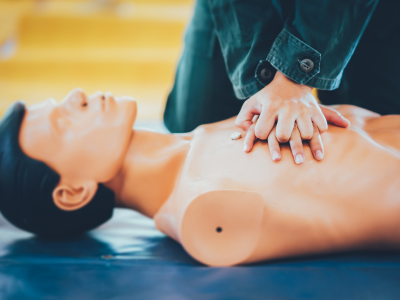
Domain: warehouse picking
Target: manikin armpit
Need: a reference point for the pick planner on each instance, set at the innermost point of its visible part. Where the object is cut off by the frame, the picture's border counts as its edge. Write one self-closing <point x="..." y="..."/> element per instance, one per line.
<point x="225" y="206"/>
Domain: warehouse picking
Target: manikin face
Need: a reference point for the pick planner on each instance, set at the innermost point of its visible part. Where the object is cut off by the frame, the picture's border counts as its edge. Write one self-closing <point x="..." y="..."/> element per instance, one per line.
<point x="83" y="139"/>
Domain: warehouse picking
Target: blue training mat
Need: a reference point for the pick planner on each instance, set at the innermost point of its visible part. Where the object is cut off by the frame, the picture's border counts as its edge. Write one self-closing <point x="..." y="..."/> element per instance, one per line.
<point x="127" y="258"/>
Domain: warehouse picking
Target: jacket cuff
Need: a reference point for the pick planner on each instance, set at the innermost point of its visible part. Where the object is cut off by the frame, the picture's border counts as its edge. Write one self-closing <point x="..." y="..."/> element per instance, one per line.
<point x="298" y="61"/>
<point x="264" y="74"/>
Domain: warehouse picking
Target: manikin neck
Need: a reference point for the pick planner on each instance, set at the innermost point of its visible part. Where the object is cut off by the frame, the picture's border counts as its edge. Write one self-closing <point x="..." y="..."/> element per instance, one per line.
<point x="148" y="174"/>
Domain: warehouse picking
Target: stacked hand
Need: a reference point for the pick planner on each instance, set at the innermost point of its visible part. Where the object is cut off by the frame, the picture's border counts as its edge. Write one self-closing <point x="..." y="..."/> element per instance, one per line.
<point x="288" y="112"/>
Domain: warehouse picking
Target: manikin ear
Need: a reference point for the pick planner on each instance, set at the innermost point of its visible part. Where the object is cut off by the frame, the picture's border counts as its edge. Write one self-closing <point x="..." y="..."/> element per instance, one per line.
<point x="71" y="198"/>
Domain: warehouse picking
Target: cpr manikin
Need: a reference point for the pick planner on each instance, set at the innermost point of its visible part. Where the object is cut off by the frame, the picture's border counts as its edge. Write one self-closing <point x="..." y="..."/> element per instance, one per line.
<point x="224" y="206"/>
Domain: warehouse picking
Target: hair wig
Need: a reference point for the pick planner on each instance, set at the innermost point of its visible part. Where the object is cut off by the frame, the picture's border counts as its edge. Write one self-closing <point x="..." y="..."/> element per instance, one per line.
<point x="26" y="188"/>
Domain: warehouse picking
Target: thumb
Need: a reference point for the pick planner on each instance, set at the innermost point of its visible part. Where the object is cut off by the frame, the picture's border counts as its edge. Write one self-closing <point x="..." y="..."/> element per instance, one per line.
<point x="246" y="114"/>
<point x="334" y="117"/>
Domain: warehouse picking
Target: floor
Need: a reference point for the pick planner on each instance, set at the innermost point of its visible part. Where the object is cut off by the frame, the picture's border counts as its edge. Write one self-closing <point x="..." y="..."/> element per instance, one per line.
<point x="127" y="258"/>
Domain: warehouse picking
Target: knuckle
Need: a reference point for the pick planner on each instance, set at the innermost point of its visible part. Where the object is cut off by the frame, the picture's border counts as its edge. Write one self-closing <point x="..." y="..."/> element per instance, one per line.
<point x="287" y="107"/>
<point x="304" y="111"/>
<point x="271" y="108"/>
<point x="297" y="102"/>
<point x="323" y="127"/>
<point x="306" y="136"/>
<point x="282" y="137"/>
<point x="261" y="134"/>
<point x="276" y="99"/>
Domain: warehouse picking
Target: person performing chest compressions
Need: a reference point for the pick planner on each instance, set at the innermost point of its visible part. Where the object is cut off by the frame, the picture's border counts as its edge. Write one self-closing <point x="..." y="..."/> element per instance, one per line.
<point x="64" y="167"/>
<point x="264" y="57"/>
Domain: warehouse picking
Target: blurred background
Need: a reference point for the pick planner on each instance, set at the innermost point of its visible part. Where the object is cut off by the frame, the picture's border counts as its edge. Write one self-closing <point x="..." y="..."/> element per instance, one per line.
<point x="127" y="47"/>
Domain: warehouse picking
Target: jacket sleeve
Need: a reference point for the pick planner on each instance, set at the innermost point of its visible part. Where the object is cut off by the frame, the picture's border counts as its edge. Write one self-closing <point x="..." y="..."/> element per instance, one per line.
<point x="311" y="43"/>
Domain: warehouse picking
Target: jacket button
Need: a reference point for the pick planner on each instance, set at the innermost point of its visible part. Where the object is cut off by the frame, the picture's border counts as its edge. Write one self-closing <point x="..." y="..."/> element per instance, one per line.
<point x="306" y="65"/>
<point x="266" y="74"/>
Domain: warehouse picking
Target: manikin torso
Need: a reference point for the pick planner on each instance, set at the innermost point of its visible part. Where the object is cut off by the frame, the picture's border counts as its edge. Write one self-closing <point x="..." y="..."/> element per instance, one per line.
<point x="227" y="207"/>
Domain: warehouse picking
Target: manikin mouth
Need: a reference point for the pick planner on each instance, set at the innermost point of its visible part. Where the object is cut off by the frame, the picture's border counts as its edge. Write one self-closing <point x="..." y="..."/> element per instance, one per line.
<point x="108" y="101"/>
<point x="105" y="102"/>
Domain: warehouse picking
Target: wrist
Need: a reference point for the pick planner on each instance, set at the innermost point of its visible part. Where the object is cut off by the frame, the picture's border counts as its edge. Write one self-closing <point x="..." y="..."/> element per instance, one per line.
<point x="282" y="78"/>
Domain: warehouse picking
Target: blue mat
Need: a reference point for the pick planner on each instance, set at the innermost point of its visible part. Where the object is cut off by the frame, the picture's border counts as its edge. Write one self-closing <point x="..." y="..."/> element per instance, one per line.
<point x="127" y="258"/>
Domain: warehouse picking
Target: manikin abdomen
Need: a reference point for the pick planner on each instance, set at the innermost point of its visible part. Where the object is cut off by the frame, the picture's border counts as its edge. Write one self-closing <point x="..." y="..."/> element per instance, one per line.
<point x="229" y="207"/>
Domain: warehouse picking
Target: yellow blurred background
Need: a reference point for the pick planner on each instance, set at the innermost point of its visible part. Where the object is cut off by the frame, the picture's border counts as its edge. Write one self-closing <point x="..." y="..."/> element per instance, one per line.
<point x="127" y="47"/>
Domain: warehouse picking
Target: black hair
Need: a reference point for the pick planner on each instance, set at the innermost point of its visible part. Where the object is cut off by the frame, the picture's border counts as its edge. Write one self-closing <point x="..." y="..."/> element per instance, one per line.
<point x="26" y="188"/>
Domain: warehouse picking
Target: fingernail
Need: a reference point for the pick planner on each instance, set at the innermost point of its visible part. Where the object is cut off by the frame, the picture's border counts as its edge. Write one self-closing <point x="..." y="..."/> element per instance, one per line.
<point x="319" y="154"/>
<point x="299" y="159"/>
<point x="275" y="155"/>
<point x="246" y="147"/>
<point x="345" y="119"/>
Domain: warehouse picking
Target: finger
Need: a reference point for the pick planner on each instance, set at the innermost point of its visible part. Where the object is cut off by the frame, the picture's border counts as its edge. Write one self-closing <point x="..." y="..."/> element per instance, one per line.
<point x="316" y="146"/>
<point x="249" y="139"/>
<point x="266" y="122"/>
<point x="319" y="120"/>
<point x="305" y="127"/>
<point x="284" y="127"/>
<point x="297" y="146"/>
<point x="334" y="117"/>
<point x="273" y="145"/>
<point x="246" y="114"/>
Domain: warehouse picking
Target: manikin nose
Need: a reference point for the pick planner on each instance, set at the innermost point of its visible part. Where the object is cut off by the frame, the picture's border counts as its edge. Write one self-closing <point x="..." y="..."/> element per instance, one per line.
<point x="77" y="95"/>
<point x="75" y="98"/>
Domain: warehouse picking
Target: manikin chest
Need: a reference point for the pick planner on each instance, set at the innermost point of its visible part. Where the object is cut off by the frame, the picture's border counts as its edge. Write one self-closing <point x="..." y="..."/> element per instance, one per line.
<point x="229" y="207"/>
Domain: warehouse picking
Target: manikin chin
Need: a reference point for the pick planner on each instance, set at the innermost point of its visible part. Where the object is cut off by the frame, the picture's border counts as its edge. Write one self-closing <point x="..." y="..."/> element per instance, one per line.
<point x="224" y="206"/>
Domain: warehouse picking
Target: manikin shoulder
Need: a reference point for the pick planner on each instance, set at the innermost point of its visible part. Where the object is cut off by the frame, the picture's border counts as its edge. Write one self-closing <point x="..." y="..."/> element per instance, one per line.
<point x="223" y="125"/>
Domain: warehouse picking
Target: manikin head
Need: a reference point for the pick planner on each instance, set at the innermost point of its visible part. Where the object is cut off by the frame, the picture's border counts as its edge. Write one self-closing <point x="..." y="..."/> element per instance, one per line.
<point x="55" y="158"/>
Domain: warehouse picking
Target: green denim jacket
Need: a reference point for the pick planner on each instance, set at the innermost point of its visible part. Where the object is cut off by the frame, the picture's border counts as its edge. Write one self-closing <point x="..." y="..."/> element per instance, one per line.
<point x="322" y="34"/>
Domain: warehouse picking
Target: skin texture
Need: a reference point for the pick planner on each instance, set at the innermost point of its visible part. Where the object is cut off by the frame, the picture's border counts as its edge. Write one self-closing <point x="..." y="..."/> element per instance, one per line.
<point x="287" y="112"/>
<point x="227" y="207"/>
